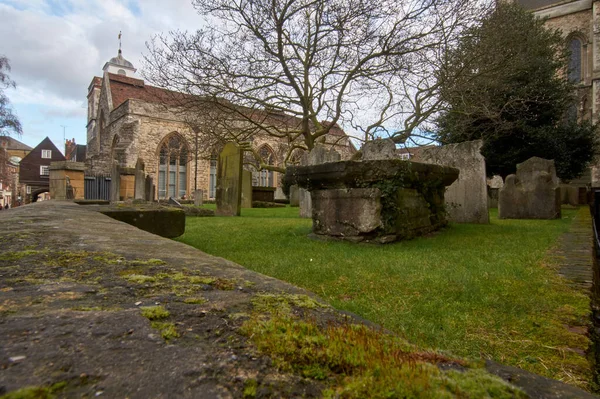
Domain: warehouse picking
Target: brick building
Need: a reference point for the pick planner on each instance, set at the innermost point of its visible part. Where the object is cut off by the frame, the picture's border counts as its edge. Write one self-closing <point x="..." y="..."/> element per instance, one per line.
<point x="131" y="123"/>
<point x="34" y="169"/>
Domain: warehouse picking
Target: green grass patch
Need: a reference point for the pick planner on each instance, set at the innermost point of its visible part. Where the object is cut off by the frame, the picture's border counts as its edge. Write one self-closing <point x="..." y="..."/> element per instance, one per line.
<point x="479" y="291"/>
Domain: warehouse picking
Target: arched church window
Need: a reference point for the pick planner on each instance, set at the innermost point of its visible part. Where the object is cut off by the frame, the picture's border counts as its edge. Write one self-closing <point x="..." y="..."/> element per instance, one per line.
<point x="173" y="158"/>
<point x="575" y="60"/>
<point x="264" y="178"/>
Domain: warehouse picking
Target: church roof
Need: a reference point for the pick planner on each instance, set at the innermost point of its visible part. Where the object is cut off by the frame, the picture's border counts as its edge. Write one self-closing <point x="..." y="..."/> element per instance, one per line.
<point x="124" y="88"/>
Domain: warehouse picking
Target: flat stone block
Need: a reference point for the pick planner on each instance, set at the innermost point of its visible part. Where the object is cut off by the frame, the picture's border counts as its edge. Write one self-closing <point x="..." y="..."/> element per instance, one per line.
<point x="163" y="221"/>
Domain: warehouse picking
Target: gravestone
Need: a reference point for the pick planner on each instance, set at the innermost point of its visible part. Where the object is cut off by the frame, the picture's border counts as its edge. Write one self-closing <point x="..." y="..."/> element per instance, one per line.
<point x="229" y="181"/>
<point x="198" y="197"/>
<point x="532" y="193"/>
<point x="569" y="195"/>
<point x="149" y="188"/>
<point x="378" y="149"/>
<point x="246" y="189"/>
<point x="294" y="200"/>
<point x="466" y="198"/>
<point x="115" y="183"/>
<point x="318" y="155"/>
<point x="140" y="181"/>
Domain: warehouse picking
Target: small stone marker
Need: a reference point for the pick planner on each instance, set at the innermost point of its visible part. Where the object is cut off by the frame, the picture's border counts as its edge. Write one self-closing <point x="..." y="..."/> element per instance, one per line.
<point x="246" y="189"/>
<point x="115" y="182"/>
<point x="532" y="193"/>
<point x="229" y="181"/>
<point x="467" y="198"/>
<point x="149" y="189"/>
<point x="378" y="149"/>
<point x="198" y="197"/>
<point x="318" y="155"/>
<point x="174" y="202"/>
<point x="294" y="200"/>
<point x="140" y="181"/>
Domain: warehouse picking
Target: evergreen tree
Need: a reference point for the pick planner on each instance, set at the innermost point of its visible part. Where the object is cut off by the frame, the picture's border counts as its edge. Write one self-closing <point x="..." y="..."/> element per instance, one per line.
<point x="506" y="84"/>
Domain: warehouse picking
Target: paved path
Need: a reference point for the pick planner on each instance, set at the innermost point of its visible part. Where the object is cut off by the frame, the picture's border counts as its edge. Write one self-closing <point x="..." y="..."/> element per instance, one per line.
<point x="574" y="253"/>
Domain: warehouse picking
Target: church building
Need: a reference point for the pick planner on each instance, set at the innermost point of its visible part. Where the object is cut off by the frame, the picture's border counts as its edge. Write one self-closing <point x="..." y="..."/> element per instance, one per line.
<point x="579" y="22"/>
<point x="131" y="123"/>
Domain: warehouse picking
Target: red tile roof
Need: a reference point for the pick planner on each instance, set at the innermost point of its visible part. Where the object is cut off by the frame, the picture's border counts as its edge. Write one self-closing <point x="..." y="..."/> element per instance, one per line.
<point x="124" y="88"/>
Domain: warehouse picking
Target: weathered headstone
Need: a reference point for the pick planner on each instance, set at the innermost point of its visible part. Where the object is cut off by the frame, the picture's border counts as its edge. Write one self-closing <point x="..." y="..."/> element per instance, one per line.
<point x="318" y="155"/>
<point x="532" y="193"/>
<point x="149" y="189"/>
<point x="294" y="200"/>
<point x="140" y="181"/>
<point x="115" y="182"/>
<point x="467" y="198"/>
<point x="569" y="195"/>
<point x="229" y="181"/>
<point x="378" y="149"/>
<point x="198" y="197"/>
<point x="246" y="189"/>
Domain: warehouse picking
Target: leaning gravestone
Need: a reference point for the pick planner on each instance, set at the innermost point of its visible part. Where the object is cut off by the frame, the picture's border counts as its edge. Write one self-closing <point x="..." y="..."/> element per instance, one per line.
<point x="466" y="198"/>
<point x="532" y="193"/>
<point x="318" y="155"/>
<point x="294" y="200"/>
<point x="229" y="181"/>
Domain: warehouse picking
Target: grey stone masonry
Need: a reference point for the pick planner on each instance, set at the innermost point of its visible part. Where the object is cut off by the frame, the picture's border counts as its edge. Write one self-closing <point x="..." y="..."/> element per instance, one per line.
<point x="466" y="198"/>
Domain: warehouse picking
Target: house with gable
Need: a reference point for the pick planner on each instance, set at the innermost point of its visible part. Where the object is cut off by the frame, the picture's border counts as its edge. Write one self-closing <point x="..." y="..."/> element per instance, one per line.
<point x="34" y="169"/>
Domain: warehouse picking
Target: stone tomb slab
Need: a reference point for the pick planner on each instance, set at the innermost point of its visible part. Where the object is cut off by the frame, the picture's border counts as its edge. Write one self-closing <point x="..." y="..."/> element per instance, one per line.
<point x="377" y="201"/>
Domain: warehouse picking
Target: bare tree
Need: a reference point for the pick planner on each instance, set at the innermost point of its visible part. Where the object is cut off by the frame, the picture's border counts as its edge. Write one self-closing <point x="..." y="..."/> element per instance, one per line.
<point x="296" y="69"/>
<point x="9" y="123"/>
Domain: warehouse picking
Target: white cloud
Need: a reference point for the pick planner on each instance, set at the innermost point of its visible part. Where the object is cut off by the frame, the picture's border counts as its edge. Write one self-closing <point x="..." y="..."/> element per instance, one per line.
<point x="57" y="47"/>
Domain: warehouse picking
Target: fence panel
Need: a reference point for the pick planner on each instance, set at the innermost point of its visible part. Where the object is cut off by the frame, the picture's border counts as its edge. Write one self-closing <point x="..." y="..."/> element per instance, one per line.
<point x="97" y="187"/>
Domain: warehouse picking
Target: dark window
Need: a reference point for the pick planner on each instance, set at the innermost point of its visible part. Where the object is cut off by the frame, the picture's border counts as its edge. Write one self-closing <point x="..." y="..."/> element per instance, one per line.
<point x="575" y="61"/>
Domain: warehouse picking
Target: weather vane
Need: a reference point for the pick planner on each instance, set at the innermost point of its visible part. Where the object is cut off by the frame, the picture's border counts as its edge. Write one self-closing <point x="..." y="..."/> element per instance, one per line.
<point x="119" y="41"/>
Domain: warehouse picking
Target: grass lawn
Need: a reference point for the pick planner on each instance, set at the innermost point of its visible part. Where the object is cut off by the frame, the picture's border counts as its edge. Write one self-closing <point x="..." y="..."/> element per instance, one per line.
<point x="477" y="291"/>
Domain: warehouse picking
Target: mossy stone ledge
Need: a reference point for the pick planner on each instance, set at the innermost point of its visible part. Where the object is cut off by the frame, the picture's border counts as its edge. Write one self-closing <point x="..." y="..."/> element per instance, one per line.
<point x="378" y="201"/>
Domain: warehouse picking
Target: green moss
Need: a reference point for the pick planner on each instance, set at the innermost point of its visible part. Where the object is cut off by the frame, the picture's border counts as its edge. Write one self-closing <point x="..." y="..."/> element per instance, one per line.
<point x="155" y="312"/>
<point x="147" y="262"/>
<point x="139" y="278"/>
<point x="195" y="301"/>
<point x="250" y="386"/>
<point x="16" y="255"/>
<point x="167" y="330"/>
<point x="357" y="362"/>
<point x="48" y="392"/>
<point x="282" y="303"/>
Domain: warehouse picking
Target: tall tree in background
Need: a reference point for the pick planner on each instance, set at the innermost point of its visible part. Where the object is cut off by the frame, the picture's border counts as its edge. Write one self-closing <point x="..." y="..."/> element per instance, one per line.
<point x="294" y="69"/>
<point x="506" y="84"/>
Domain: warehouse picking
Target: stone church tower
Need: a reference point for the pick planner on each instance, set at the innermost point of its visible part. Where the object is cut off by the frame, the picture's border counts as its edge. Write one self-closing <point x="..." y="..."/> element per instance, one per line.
<point x="130" y="124"/>
<point x="579" y="21"/>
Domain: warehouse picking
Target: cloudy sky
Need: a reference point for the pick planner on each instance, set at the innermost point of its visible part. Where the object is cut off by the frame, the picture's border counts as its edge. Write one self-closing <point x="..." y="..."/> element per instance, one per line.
<point x="56" y="47"/>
